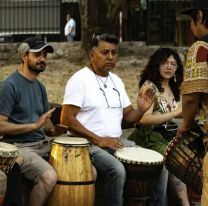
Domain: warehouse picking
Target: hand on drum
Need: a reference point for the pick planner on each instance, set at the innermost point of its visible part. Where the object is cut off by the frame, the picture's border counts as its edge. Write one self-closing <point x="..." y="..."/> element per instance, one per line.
<point x="146" y="97"/>
<point x="110" y="142"/>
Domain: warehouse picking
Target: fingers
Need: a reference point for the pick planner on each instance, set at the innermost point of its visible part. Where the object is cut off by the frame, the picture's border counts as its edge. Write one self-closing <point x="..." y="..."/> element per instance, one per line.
<point x="116" y="144"/>
<point x="148" y="90"/>
<point x="111" y="143"/>
<point x="60" y="128"/>
<point x="144" y="89"/>
<point x="149" y="94"/>
<point x="49" y="112"/>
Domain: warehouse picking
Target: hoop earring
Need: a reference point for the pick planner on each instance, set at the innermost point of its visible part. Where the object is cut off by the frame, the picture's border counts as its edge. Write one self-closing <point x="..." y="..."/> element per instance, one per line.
<point x="175" y="80"/>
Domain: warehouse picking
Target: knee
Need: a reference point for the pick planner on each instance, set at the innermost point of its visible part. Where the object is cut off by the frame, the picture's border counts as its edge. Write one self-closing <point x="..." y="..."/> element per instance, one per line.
<point x="49" y="179"/>
<point x="94" y="173"/>
<point x="3" y="183"/>
<point x="121" y="171"/>
<point x="118" y="171"/>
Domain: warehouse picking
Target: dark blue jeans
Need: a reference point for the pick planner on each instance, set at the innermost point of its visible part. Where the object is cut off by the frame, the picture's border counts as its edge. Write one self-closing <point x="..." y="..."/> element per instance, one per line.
<point x="113" y="172"/>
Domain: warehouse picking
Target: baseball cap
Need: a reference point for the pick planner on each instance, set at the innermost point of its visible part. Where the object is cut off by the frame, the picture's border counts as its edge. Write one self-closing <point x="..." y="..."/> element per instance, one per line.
<point x="34" y="44"/>
<point x="196" y="5"/>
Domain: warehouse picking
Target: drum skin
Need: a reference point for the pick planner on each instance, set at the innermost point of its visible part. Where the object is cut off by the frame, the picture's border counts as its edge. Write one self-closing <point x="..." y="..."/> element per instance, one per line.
<point x="75" y="185"/>
<point x="184" y="158"/>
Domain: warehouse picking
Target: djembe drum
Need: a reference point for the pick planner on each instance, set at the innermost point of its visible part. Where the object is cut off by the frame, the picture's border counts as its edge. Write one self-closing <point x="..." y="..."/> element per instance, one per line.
<point x="143" y="168"/>
<point x="8" y="156"/>
<point x="184" y="157"/>
<point x="71" y="161"/>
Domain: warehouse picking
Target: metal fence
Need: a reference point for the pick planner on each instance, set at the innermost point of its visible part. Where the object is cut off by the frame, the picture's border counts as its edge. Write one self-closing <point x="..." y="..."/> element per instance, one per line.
<point x="29" y="17"/>
<point x="164" y="22"/>
<point x="153" y="21"/>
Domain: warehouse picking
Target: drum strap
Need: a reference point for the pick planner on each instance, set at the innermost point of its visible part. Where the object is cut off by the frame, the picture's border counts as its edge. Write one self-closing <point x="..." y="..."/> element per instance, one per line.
<point x="61" y="182"/>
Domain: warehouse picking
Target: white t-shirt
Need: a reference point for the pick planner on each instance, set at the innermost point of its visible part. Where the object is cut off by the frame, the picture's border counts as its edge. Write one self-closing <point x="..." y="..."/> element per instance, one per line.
<point x="101" y="108"/>
<point x="70" y="25"/>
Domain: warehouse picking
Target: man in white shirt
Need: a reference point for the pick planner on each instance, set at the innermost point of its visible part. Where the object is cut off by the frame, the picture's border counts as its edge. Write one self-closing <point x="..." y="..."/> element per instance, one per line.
<point x="95" y="102"/>
<point x="70" y="28"/>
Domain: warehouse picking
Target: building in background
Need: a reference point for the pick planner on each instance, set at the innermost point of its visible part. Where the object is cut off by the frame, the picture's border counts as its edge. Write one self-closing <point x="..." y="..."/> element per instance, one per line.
<point x="165" y="24"/>
<point x="45" y="18"/>
<point x="19" y="18"/>
<point x="157" y="22"/>
<point x="151" y="21"/>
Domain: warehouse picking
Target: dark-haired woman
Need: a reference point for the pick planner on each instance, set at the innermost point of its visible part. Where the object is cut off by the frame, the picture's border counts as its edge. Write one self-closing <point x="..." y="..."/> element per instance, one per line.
<point x="164" y="72"/>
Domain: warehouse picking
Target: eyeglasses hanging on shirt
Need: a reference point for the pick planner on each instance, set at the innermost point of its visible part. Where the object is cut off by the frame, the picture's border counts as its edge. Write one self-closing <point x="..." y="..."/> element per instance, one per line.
<point x="106" y="89"/>
<point x="107" y="101"/>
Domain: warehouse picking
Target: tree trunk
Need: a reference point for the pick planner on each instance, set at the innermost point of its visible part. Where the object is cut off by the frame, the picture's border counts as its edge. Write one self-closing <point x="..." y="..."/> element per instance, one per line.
<point x="98" y="16"/>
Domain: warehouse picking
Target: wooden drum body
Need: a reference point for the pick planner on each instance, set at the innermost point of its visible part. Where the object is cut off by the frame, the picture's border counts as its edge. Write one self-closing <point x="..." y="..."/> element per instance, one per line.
<point x="70" y="159"/>
<point x="143" y="168"/>
<point x="184" y="158"/>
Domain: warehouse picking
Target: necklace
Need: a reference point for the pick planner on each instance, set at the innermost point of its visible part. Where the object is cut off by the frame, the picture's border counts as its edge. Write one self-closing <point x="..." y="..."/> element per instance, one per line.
<point x="104" y="82"/>
<point x="99" y="78"/>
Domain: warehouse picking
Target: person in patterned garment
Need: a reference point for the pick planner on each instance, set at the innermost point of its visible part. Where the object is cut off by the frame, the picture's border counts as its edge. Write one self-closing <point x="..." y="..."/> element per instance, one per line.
<point x="195" y="86"/>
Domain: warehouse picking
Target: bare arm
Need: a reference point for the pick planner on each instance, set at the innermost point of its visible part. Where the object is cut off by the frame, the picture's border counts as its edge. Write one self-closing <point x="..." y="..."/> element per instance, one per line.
<point x="145" y="99"/>
<point x="8" y="128"/>
<point x="190" y="105"/>
<point x="132" y="115"/>
<point x="68" y="118"/>
<point x="149" y="118"/>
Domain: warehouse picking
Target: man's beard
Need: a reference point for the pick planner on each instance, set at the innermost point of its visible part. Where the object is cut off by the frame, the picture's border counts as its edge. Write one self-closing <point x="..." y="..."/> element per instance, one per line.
<point x="36" y="68"/>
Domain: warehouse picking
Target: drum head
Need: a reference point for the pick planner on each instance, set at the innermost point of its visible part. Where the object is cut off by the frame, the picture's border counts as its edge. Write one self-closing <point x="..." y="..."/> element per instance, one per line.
<point x="139" y="155"/>
<point x="71" y="141"/>
<point x="8" y="150"/>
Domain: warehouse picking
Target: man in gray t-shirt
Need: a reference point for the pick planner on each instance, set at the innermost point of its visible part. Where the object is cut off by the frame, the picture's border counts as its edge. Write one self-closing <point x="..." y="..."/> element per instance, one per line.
<point x="24" y="112"/>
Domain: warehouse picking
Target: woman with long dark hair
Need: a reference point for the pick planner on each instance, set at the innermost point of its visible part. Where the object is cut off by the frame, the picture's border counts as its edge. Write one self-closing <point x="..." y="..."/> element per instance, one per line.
<point x="164" y="72"/>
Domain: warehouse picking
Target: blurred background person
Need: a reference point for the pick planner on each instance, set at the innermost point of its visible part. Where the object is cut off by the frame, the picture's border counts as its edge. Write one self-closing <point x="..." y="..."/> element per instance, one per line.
<point x="70" y="28"/>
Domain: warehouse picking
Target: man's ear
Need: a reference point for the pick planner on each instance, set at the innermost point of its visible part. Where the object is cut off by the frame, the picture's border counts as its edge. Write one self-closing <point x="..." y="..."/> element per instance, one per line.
<point x="24" y="55"/>
<point x="91" y="54"/>
<point x="200" y="16"/>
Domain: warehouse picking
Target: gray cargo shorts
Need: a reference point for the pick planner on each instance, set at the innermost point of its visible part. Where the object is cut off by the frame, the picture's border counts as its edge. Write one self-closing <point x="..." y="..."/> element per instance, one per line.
<point x="34" y="164"/>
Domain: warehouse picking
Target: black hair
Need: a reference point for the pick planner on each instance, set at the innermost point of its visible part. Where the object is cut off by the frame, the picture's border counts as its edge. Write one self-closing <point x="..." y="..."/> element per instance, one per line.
<point x="151" y="71"/>
<point x="194" y="16"/>
<point x="96" y="38"/>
